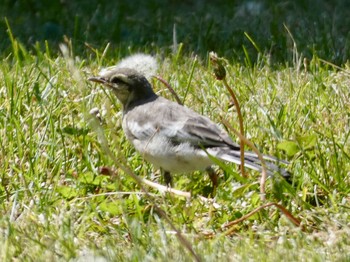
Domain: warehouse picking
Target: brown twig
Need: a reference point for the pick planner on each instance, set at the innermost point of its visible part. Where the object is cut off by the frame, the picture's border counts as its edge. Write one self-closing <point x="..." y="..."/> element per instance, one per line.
<point x="220" y="74"/>
<point x="166" y="189"/>
<point x="240" y="119"/>
<point x="172" y="91"/>
<point x="262" y="160"/>
<point x="291" y="218"/>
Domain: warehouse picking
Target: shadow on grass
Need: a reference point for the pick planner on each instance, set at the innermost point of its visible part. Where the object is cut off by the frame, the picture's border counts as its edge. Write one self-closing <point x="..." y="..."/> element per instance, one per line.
<point x="317" y="26"/>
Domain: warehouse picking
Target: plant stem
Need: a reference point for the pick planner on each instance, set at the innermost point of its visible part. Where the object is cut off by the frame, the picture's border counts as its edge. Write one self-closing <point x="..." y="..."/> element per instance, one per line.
<point x="241" y="127"/>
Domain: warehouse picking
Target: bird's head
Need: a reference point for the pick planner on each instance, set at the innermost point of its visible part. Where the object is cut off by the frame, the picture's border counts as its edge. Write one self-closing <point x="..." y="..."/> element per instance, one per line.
<point x="129" y="86"/>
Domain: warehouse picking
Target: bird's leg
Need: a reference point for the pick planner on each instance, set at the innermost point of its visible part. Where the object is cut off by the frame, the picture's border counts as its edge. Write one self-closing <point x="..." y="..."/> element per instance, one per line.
<point x="213" y="177"/>
<point x="167" y="178"/>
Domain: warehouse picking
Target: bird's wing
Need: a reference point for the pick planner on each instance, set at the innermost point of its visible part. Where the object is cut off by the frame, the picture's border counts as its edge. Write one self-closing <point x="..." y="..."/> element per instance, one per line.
<point x="176" y="122"/>
<point x="182" y="124"/>
<point x="202" y="132"/>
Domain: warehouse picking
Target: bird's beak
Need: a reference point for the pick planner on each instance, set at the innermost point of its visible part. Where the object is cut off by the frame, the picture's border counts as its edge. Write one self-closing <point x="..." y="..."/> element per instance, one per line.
<point x="98" y="79"/>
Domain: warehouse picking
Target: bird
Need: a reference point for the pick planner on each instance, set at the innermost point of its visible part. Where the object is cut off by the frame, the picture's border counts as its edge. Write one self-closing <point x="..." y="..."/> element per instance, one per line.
<point x="171" y="136"/>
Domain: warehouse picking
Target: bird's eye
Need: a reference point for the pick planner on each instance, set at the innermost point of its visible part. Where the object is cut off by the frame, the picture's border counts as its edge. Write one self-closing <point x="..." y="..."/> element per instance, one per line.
<point x="117" y="80"/>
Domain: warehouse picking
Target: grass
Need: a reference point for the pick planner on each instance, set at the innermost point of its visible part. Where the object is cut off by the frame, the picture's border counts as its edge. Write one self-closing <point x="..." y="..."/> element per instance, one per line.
<point x="58" y="199"/>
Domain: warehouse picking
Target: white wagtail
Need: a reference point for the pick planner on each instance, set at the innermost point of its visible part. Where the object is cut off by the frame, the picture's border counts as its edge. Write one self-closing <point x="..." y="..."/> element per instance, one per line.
<point x="171" y="136"/>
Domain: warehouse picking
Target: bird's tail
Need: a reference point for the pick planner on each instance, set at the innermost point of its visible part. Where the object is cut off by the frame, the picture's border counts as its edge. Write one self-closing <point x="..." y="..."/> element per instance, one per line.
<point x="252" y="161"/>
